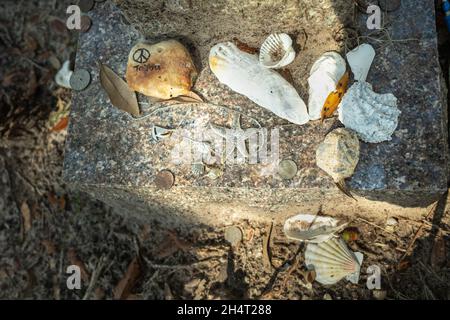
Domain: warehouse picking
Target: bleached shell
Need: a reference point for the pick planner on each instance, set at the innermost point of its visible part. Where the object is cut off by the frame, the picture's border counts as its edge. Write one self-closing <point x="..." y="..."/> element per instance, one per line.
<point x="324" y="76"/>
<point x="338" y="154"/>
<point x="243" y="73"/>
<point x="332" y="260"/>
<point x="311" y="228"/>
<point x="374" y="117"/>
<point x="360" y="60"/>
<point x="166" y="71"/>
<point x="277" y="51"/>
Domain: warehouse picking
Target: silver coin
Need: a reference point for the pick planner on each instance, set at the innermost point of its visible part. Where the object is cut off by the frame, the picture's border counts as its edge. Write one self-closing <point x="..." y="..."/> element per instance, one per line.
<point x="80" y="80"/>
<point x="287" y="169"/>
<point x="233" y="235"/>
<point x="86" y="5"/>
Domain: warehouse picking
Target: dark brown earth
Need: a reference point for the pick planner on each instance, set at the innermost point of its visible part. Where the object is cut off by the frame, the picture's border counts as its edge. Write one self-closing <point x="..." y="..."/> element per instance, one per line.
<point x="45" y="226"/>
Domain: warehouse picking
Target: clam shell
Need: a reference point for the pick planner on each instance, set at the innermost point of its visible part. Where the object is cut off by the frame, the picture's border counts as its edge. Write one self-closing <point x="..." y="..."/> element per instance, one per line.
<point x="324" y="76"/>
<point x="243" y="73"/>
<point x="374" y="117"/>
<point x="332" y="260"/>
<point x="277" y="51"/>
<point x="311" y="228"/>
<point x="360" y="60"/>
<point x="163" y="70"/>
<point x="338" y="154"/>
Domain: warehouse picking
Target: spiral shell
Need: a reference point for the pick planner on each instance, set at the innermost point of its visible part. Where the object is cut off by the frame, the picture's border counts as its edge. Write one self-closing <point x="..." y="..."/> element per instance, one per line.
<point x="332" y="260"/>
<point x="277" y="51"/>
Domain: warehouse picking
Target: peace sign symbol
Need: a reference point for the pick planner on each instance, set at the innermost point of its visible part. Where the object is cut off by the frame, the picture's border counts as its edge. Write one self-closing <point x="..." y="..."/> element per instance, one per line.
<point x="141" y="55"/>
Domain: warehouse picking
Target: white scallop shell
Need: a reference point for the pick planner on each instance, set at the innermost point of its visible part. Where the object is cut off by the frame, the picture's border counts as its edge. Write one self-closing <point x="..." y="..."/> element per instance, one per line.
<point x="332" y="260"/>
<point x="360" y="60"/>
<point x="374" y="117"/>
<point x="311" y="228"/>
<point x="324" y="76"/>
<point x="277" y="51"/>
<point x="338" y="154"/>
<point x="243" y="73"/>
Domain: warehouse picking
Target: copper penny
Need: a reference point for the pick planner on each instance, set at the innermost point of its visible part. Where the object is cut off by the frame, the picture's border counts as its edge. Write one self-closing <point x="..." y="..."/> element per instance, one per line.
<point x="164" y="179"/>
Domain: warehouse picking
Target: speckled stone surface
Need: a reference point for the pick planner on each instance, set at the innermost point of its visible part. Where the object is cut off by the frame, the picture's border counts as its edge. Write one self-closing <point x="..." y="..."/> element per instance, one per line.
<point x="113" y="157"/>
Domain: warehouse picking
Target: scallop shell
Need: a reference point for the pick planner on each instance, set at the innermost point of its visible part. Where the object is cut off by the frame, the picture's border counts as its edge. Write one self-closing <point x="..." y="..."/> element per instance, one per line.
<point x="311" y="228"/>
<point x="163" y="70"/>
<point x="332" y="260"/>
<point x="374" y="117"/>
<point x="243" y="73"/>
<point x="324" y="76"/>
<point x="277" y="51"/>
<point x="360" y="60"/>
<point x="338" y="154"/>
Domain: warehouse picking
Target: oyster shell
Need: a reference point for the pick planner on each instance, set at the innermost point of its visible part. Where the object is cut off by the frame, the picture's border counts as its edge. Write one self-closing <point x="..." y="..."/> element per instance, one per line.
<point x="277" y="51"/>
<point x="332" y="260"/>
<point x="243" y="73"/>
<point x="374" y="117"/>
<point x="338" y="154"/>
<point x="311" y="228"/>
<point x="360" y="60"/>
<point x="164" y="70"/>
<point x="324" y="76"/>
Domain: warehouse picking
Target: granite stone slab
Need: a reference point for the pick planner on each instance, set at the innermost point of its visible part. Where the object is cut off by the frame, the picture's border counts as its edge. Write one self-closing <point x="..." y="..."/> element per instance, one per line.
<point x="112" y="156"/>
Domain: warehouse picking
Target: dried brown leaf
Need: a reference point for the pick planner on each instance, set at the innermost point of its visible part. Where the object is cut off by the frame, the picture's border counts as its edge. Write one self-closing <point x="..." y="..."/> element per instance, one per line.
<point x="73" y="259"/>
<point x="170" y="245"/>
<point x="119" y="92"/>
<point x="126" y="284"/>
<point x="26" y="215"/>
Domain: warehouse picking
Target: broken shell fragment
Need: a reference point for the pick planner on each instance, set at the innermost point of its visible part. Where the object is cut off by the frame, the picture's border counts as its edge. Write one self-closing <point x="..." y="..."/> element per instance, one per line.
<point x="243" y="73"/>
<point x="159" y="133"/>
<point x="338" y="154"/>
<point x="198" y="169"/>
<point x="360" y="60"/>
<point x="277" y="51"/>
<point x="324" y="77"/>
<point x="164" y="70"/>
<point x="332" y="260"/>
<point x="311" y="228"/>
<point x="374" y="117"/>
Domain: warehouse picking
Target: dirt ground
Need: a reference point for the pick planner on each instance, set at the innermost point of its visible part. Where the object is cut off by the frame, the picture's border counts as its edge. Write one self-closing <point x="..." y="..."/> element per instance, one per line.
<point x="45" y="226"/>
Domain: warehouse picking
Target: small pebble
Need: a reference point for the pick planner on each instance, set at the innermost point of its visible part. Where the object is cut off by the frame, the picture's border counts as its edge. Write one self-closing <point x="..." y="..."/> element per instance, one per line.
<point x="327" y="296"/>
<point x="233" y="235"/>
<point x="391" y="221"/>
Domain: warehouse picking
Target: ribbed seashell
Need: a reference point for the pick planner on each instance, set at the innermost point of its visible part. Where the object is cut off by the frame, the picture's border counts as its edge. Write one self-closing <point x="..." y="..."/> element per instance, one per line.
<point x="164" y="70"/>
<point x="360" y="60"/>
<point x="338" y="154"/>
<point x="332" y="261"/>
<point x="374" y="117"/>
<point x="324" y="76"/>
<point x="243" y="73"/>
<point x="311" y="228"/>
<point x="277" y="51"/>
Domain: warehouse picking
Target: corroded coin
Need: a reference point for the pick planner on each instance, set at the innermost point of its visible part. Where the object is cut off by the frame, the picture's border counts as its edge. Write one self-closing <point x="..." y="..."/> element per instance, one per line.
<point x="233" y="235"/>
<point x="85" y="23"/>
<point x="86" y="5"/>
<point x="164" y="179"/>
<point x="287" y="169"/>
<point x="80" y="79"/>
<point x="390" y="5"/>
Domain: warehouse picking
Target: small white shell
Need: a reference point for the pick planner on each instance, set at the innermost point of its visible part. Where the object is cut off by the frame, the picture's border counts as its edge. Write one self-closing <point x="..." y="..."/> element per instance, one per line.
<point x="311" y="228"/>
<point x="277" y="51"/>
<point x="332" y="260"/>
<point x="324" y="76"/>
<point x="360" y="60"/>
<point x="374" y="117"/>
<point x="62" y="77"/>
<point x="243" y="73"/>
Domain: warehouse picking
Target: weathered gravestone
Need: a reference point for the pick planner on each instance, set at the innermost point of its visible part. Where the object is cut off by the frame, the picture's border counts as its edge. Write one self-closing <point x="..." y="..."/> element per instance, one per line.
<point x="113" y="157"/>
